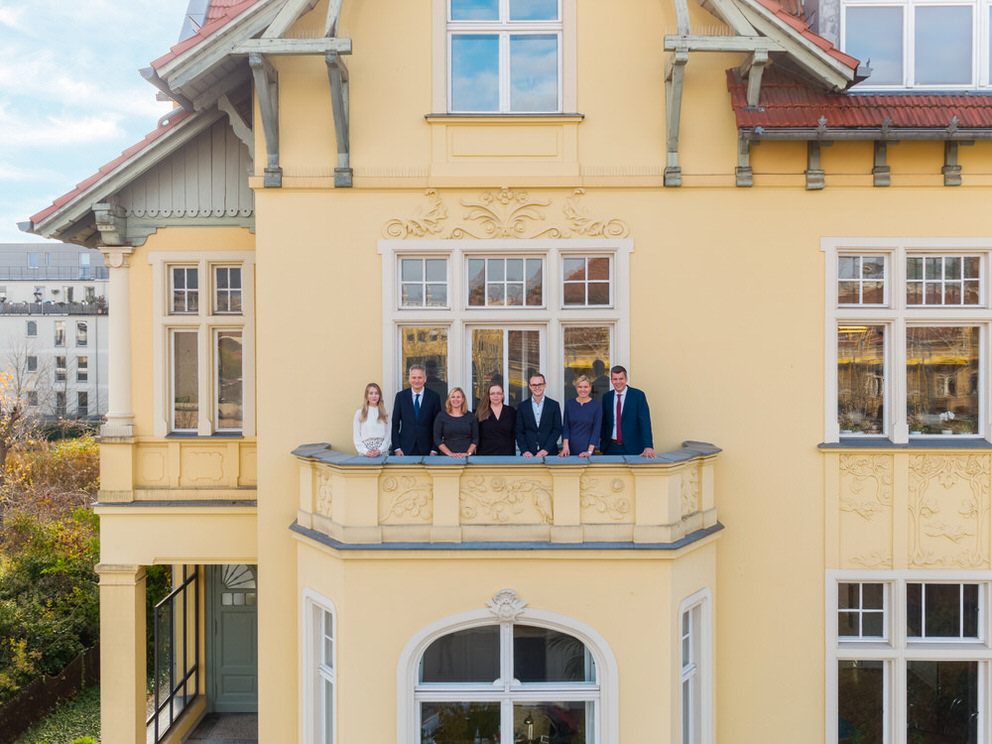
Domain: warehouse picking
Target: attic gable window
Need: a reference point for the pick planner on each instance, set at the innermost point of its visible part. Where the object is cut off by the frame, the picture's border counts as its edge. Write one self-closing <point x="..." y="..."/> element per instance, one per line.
<point x="504" y="56"/>
<point x="919" y="43"/>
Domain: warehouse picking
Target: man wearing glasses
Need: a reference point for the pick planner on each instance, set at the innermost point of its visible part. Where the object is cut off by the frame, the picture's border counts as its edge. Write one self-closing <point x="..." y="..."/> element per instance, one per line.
<point x="538" y="421"/>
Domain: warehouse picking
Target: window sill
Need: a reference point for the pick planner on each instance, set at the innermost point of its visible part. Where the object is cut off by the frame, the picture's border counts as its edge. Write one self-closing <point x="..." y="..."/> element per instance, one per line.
<point x="215" y="435"/>
<point x="922" y="443"/>
<point x="503" y="118"/>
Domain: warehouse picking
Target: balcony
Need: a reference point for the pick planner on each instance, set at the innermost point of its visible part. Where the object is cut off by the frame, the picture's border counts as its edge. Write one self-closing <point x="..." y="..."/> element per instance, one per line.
<point x="601" y="501"/>
<point x="96" y="307"/>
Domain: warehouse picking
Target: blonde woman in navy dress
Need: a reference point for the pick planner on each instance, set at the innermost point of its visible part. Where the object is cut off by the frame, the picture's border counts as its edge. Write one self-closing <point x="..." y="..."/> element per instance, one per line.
<point x="371" y="430"/>
<point x="582" y="422"/>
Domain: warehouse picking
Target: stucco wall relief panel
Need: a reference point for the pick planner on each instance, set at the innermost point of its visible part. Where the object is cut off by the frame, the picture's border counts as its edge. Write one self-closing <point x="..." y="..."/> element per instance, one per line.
<point x="866" y="511"/>
<point x="949" y="511"/>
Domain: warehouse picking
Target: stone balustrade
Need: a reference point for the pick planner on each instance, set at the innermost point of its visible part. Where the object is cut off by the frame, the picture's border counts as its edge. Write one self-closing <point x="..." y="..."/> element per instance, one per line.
<point x="598" y="500"/>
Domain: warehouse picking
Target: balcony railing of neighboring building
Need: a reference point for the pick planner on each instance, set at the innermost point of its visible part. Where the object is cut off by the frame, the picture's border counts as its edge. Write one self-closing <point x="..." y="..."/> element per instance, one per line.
<point x="53" y="273"/>
<point x="96" y="307"/>
<point x="176" y="671"/>
<point x="353" y="500"/>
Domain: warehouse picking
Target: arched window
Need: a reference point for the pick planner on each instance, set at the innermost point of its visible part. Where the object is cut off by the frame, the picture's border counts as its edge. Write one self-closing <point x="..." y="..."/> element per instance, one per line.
<point x="519" y="677"/>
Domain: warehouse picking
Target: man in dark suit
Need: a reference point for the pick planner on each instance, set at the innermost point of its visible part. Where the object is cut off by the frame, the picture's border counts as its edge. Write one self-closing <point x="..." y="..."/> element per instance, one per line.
<point x="633" y="435"/>
<point x="538" y="421"/>
<point x="414" y="411"/>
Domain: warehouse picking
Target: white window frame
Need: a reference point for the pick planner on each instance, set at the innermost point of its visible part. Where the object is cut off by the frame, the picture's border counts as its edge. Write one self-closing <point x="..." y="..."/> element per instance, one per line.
<point x="981" y="46"/>
<point x="896" y="316"/>
<point x="229" y="291"/>
<point x="567" y="62"/>
<point x="82" y="339"/>
<point x="459" y="317"/>
<point x="585" y="282"/>
<point x="206" y="323"/>
<point x="423" y="284"/>
<point x="699" y="671"/>
<point x="187" y="292"/>
<point x="82" y="368"/>
<point x="314" y="672"/>
<point x="407" y="670"/>
<point x="503" y="28"/>
<point x="58" y="339"/>
<point x="32" y="325"/>
<point x="898" y="649"/>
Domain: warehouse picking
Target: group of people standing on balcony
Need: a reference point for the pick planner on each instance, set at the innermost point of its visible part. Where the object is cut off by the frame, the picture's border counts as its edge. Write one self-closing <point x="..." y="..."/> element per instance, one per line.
<point x="620" y="425"/>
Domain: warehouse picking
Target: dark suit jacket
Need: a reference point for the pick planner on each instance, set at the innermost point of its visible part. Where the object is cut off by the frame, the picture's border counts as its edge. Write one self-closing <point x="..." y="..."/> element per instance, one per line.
<point x="635" y="423"/>
<point x="413" y="435"/>
<point x="532" y="439"/>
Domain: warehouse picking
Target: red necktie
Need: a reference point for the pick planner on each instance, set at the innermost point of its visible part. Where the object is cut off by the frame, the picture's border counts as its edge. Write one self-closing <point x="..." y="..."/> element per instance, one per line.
<point x="619" y="435"/>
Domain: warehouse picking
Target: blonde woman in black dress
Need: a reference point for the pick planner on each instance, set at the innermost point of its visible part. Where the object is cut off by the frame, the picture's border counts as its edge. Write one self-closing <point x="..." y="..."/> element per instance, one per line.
<point x="456" y="432"/>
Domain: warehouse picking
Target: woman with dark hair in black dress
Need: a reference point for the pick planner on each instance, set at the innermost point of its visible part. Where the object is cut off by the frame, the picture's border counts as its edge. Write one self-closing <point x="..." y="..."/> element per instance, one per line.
<point x="496" y="423"/>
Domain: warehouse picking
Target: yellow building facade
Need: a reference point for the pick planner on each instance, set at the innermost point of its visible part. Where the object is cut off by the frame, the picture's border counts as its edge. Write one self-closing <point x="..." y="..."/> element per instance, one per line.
<point x="796" y="275"/>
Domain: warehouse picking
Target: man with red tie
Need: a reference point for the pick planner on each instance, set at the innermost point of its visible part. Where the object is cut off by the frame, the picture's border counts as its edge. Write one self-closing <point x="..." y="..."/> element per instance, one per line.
<point x="626" y="419"/>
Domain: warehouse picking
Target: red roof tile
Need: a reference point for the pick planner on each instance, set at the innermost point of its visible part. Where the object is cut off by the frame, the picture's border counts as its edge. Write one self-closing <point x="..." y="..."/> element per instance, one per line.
<point x="803" y="29"/>
<point x="107" y="169"/>
<point x="786" y="103"/>
<point x="220" y="13"/>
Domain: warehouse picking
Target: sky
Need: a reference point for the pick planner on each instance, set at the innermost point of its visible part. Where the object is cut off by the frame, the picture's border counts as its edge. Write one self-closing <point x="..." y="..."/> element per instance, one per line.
<point x="71" y="97"/>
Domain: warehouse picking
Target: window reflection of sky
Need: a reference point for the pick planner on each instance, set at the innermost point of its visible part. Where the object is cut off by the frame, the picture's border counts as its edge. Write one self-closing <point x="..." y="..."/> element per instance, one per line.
<point x="475" y="72"/>
<point x="474" y="10"/>
<point x="875" y="34"/>
<point x="533" y="10"/>
<point x="943" y="45"/>
<point x="534" y="72"/>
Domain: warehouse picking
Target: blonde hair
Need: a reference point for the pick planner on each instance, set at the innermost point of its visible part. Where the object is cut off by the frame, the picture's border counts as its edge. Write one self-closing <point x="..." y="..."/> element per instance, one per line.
<point x="485" y="406"/>
<point x="447" y="402"/>
<point x="383" y="416"/>
<point x="581" y="378"/>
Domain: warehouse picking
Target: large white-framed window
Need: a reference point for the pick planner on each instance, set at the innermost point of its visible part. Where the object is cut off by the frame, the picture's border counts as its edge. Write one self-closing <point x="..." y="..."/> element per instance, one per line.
<point x="908" y="656"/>
<point x="908" y="338"/>
<point x="319" y="670"/>
<point x="695" y="712"/>
<point x="504" y="57"/>
<point x="536" y="677"/>
<point x="510" y="309"/>
<point x="203" y="348"/>
<point x="936" y="44"/>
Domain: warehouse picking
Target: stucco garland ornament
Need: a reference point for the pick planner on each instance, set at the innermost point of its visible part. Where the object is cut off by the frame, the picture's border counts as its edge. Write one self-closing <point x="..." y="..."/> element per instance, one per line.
<point x="506" y="605"/>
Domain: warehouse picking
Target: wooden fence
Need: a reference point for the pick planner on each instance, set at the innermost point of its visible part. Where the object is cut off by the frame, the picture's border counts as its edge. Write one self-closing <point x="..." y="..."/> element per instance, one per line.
<point x="41" y="696"/>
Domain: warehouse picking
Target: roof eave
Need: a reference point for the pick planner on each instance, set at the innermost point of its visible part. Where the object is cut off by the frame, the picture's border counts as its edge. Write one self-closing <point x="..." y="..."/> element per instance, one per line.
<point x="831" y="71"/>
<point x="66" y="215"/>
<point x="186" y="66"/>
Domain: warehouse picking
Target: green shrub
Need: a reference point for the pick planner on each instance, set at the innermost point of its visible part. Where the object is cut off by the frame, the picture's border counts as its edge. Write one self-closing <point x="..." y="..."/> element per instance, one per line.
<point x="49" y="595"/>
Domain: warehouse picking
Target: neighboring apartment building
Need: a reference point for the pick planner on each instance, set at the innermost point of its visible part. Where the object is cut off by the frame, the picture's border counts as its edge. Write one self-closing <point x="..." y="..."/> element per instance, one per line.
<point x="792" y="268"/>
<point x="53" y="328"/>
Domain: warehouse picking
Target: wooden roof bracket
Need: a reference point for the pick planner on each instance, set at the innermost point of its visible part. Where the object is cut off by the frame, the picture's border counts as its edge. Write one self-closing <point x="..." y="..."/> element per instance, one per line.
<point x="267" y="87"/>
<point x="754" y="67"/>
<point x="743" y="172"/>
<point x="815" y="175"/>
<point x="239" y="126"/>
<point x="337" y="76"/>
<point x="111" y="222"/>
<point x="674" y="79"/>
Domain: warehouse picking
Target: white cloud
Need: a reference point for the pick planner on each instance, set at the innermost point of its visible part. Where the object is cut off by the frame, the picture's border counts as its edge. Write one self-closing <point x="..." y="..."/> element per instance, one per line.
<point x="10" y="172"/>
<point x="12" y="17"/>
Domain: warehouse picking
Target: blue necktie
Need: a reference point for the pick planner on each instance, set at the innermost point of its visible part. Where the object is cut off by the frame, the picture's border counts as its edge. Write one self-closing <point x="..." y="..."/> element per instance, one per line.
<point x="416" y="405"/>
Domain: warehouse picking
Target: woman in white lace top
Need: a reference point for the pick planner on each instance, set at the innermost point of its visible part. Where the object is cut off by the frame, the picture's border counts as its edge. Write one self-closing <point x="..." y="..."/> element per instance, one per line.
<point x="372" y="436"/>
